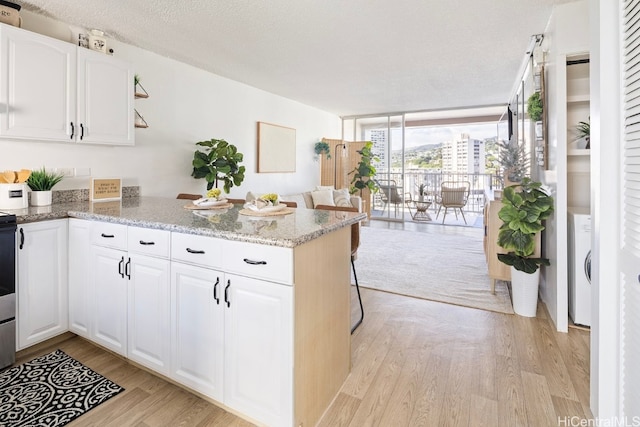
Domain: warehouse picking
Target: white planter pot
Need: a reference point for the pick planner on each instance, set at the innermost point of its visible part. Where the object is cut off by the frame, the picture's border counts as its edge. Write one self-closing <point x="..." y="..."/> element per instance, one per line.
<point x="524" y="287"/>
<point x="40" y="198"/>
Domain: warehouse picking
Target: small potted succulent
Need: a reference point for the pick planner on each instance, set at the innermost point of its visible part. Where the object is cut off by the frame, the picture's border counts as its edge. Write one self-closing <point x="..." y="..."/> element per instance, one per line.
<point x="41" y="182"/>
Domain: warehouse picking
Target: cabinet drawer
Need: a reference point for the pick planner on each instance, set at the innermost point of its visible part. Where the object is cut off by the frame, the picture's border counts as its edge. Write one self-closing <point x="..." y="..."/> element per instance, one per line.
<point x="149" y="241"/>
<point x="198" y="250"/>
<point x="272" y="263"/>
<point x="109" y="235"/>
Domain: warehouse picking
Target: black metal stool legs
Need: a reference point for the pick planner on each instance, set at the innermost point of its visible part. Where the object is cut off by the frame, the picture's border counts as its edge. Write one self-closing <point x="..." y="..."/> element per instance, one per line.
<point x="354" y="327"/>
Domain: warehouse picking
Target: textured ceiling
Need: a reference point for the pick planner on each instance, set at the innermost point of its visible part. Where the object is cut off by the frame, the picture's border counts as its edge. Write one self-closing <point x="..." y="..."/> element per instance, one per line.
<point x="344" y="56"/>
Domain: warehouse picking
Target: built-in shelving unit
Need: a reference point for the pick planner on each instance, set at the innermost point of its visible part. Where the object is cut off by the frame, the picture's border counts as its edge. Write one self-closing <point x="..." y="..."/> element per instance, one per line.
<point x="578" y="157"/>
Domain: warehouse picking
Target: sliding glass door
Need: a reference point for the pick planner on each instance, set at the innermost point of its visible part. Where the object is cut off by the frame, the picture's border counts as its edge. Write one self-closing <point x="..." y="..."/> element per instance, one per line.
<point x="387" y="135"/>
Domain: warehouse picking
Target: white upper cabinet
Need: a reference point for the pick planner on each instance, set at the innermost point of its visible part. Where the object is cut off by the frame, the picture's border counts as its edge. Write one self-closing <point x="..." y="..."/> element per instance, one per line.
<point x="51" y="90"/>
<point x="105" y="99"/>
<point x="37" y="86"/>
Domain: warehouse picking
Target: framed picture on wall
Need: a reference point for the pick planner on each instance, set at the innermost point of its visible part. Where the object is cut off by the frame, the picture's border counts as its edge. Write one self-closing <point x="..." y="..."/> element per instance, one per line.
<point x="276" y="148"/>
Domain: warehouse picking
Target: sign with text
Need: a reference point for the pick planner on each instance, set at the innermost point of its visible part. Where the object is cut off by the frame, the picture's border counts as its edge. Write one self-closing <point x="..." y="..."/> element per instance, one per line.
<point x="105" y="189"/>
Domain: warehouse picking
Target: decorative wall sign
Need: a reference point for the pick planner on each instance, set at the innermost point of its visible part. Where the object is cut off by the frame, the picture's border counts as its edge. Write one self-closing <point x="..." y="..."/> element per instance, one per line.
<point x="276" y="148"/>
<point x="105" y="189"/>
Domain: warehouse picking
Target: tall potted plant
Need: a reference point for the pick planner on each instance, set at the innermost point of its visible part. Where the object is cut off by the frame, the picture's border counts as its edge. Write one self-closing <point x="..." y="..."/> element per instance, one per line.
<point x="364" y="171"/>
<point x="220" y="161"/>
<point x="526" y="206"/>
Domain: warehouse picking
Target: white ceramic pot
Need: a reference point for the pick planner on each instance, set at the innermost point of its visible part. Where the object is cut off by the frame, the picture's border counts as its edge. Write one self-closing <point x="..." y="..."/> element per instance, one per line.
<point x="41" y="198"/>
<point x="524" y="288"/>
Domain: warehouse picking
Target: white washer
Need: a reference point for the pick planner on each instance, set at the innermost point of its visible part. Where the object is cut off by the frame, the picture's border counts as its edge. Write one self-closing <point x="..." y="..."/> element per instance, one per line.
<point x="580" y="265"/>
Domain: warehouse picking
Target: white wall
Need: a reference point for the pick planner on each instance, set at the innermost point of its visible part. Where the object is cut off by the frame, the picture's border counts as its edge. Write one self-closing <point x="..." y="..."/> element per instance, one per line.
<point x="567" y="34"/>
<point x="185" y="105"/>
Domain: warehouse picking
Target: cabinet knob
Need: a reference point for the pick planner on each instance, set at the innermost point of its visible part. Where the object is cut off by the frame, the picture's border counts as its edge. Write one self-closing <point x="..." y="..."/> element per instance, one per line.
<point x="252" y="262"/>
<point x="73" y="130"/>
<point x="142" y="242"/>
<point x="107" y="236"/>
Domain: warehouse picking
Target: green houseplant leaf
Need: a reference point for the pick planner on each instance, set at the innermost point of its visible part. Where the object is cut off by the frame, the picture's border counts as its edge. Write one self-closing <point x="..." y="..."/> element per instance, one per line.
<point x="41" y="180"/>
<point x="220" y="161"/>
<point x="524" y="208"/>
<point x="364" y="171"/>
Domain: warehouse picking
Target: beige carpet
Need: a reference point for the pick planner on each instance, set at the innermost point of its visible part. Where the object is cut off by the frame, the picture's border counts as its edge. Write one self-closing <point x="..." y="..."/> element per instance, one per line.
<point x="445" y="264"/>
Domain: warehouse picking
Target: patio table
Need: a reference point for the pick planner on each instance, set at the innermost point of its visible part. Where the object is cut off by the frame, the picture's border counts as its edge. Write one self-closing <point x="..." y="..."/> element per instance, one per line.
<point x="418" y="210"/>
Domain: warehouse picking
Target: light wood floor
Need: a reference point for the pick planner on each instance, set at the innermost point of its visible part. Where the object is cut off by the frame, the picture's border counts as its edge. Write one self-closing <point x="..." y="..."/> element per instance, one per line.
<point x="415" y="363"/>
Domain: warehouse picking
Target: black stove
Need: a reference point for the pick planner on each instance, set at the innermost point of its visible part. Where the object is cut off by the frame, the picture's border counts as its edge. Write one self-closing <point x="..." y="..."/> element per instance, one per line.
<point x="7" y="289"/>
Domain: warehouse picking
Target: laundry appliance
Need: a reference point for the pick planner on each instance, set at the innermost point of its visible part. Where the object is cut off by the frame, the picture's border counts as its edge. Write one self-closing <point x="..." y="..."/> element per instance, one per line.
<point x="580" y="266"/>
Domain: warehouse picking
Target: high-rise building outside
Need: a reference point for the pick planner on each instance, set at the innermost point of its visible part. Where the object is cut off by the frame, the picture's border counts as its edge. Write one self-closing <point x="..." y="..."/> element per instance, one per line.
<point x="463" y="155"/>
<point x="380" y="140"/>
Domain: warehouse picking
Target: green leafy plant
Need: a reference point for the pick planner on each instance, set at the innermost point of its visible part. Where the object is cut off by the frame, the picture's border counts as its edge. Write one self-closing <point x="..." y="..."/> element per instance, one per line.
<point x="41" y="180"/>
<point x="322" y="147"/>
<point x="220" y="161"/>
<point x="421" y="188"/>
<point x="364" y="171"/>
<point x="534" y="107"/>
<point x="524" y="208"/>
<point x="584" y="131"/>
<point x="514" y="160"/>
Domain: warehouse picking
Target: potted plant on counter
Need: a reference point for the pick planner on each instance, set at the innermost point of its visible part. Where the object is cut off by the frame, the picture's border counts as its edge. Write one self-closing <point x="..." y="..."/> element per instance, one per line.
<point x="525" y="207"/>
<point x="219" y="162"/>
<point x="41" y="183"/>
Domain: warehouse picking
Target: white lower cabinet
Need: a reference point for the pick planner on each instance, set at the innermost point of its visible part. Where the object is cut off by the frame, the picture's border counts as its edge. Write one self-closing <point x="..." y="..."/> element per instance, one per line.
<point x="232" y="340"/>
<point x="149" y="310"/>
<point x="197" y="328"/>
<point x="80" y="306"/>
<point x="109" y="287"/>
<point x="42" y="281"/>
<point x="130" y="293"/>
<point x="258" y="349"/>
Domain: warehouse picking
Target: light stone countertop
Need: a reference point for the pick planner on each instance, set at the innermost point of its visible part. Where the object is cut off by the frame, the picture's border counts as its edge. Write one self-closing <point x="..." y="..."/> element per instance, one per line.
<point x="288" y="231"/>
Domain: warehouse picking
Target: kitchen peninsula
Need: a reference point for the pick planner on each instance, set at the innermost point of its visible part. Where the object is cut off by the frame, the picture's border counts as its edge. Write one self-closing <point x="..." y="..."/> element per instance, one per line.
<point x="252" y="313"/>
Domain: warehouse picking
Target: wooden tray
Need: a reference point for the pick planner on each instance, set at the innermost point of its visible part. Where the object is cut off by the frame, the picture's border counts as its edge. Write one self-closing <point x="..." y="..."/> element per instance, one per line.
<point x="249" y="212"/>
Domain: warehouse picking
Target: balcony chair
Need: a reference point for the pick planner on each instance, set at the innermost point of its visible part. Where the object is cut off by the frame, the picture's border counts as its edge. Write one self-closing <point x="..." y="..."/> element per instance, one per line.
<point x="453" y="195"/>
<point x="355" y="243"/>
<point x="389" y="194"/>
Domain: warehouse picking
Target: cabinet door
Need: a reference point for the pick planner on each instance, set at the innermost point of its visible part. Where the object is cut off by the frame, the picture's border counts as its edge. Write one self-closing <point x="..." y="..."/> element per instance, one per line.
<point x="42" y="281"/>
<point x="37" y="86"/>
<point x="109" y="322"/>
<point x="149" y="311"/>
<point x="80" y="307"/>
<point x="258" y="373"/>
<point x="197" y="328"/>
<point x="105" y="99"/>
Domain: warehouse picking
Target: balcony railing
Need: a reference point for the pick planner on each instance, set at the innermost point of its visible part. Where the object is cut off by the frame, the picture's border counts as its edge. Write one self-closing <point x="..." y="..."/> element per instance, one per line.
<point x="390" y="201"/>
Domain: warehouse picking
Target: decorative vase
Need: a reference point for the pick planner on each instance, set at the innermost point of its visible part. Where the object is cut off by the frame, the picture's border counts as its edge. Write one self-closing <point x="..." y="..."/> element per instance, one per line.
<point x="41" y="198"/>
<point x="524" y="287"/>
<point x="421" y="198"/>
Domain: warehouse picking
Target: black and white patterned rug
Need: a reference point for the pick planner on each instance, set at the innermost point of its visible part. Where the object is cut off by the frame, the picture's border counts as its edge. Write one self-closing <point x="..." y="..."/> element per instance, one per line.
<point x="51" y="390"/>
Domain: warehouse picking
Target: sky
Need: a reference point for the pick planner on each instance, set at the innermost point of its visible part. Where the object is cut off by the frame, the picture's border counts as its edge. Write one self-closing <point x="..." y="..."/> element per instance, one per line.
<point x="436" y="134"/>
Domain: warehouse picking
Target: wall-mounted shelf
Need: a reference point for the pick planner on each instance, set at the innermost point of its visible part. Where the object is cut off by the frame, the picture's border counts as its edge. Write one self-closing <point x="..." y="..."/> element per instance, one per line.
<point x="579" y="152"/>
<point x="140" y="93"/>
<point x="139" y="121"/>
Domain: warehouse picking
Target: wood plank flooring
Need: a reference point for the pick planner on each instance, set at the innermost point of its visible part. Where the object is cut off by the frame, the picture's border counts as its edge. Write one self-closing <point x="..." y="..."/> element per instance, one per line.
<point x="414" y="363"/>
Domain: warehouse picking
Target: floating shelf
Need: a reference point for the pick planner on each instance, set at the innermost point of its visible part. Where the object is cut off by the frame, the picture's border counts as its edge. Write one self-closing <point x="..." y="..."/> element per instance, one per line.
<point x="141" y="95"/>
<point x="578" y="152"/>
<point x="139" y="121"/>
